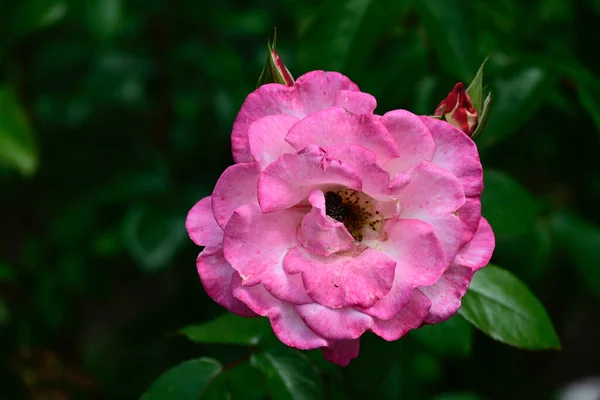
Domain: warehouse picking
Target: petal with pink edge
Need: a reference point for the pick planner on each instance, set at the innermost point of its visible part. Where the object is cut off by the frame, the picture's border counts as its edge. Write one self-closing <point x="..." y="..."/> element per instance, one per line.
<point x="336" y="324"/>
<point x="311" y="92"/>
<point x="412" y="137"/>
<point x="410" y="317"/>
<point x="285" y="321"/>
<point x="342" y="352"/>
<point x="266" y="138"/>
<point x="291" y="178"/>
<point x="376" y="180"/>
<point x="216" y="275"/>
<point x="255" y="245"/>
<point x="420" y="261"/>
<point x="236" y="186"/>
<point x="457" y="153"/>
<point x="469" y="216"/>
<point x="477" y="253"/>
<point x="337" y="125"/>
<point x="201" y="225"/>
<point x="340" y="281"/>
<point x="446" y="293"/>
<point x="319" y="233"/>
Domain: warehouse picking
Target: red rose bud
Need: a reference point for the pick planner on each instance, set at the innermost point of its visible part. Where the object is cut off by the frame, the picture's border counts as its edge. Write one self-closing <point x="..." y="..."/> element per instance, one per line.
<point x="282" y="71"/>
<point x="274" y="70"/>
<point x="458" y="110"/>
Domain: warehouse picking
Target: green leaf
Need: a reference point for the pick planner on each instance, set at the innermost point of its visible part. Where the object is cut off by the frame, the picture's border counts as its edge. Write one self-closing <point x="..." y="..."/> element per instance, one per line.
<point x="581" y="240"/>
<point x="289" y="375"/>
<point x="450" y="32"/>
<point x="516" y="99"/>
<point x="589" y="97"/>
<point x="228" y="329"/>
<point x="502" y="307"/>
<point x="152" y="236"/>
<point x="453" y="337"/>
<point x="32" y="15"/>
<point x="483" y="117"/>
<point x="344" y="32"/>
<point x="17" y="144"/>
<point x="507" y="205"/>
<point x="475" y="89"/>
<point x="104" y="17"/>
<point x="186" y="381"/>
<point x="244" y="382"/>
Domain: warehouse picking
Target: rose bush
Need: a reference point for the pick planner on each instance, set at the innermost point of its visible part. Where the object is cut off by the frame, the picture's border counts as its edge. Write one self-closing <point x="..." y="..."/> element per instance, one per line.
<point x="335" y="221"/>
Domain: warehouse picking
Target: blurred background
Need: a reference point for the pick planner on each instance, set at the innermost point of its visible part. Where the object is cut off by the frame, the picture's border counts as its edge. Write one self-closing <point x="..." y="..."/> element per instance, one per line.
<point x="115" y="118"/>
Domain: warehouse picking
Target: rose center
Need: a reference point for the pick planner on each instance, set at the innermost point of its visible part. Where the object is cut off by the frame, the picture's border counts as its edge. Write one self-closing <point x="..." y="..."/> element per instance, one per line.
<point x="353" y="210"/>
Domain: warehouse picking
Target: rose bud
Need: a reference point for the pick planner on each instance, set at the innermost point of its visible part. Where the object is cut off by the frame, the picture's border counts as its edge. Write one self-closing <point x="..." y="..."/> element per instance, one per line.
<point x="458" y="110"/>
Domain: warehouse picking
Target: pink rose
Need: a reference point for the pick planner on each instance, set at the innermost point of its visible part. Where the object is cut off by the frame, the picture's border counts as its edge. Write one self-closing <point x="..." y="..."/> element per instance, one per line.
<point x="335" y="221"/>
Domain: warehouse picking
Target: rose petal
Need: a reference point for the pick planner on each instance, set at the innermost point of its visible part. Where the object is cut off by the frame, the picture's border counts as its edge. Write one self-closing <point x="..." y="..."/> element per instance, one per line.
<point x="469" y="216"/>
<point x="336" y="324"/>
<point x="201" y="225"/>
<point x="446" y="293"/>
<point x="342" y="352"/>
<point x="457" y="153"/>
<point x="340" y="281"/>
<point x="412" y="137"/>
<point x="321" y="234"/>
<point x="290" y="179"/>
<point x="216" y="275"/>
<point x="477" y="253"/>
<point x="410" y="317"/>
<point x="255" y="245"/>
<point x="311" y="92"/>
<point x="285" y="321"/>
<point x="267" y="138"/>
<point x="336" y="125"/>
<point x="236" y="186"/>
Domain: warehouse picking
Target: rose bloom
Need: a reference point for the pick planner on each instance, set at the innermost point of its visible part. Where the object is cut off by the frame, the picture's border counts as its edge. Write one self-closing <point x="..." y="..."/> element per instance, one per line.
<point x="335" y="221"/>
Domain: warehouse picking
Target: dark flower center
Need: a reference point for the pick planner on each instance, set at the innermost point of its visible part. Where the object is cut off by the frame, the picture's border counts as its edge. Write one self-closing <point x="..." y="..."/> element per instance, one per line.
<point x="346" y="206"/>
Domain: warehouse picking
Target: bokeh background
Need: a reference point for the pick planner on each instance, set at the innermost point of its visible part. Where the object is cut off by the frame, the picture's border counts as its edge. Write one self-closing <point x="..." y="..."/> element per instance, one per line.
<point x="115" y="118"/>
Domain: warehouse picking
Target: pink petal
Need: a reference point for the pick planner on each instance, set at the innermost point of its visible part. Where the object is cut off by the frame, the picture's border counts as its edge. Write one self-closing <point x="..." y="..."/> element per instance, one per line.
<point x="336" y="324"/>
<point x="420" y="261"/>
<point x="342" y="352"/>
<point x="285" y="321"/>
<point x="267" y="138"/>
<point x="216" y="275"/>
<point x="311" y="92"/>
<point x="446" y="293"/>
<point x="376" y="180"/>
<point x="477" y="253"/>
<point x="255" y="245"/>
<point x="336" y="125"/>
<point x="457" y="153"/>
<point x="410" y="317"/>
<point x="201" y="225"/>
<point x="412" y="137"/>
<point x="321" y="234"/>
<point x="236" y="186"/>
<point x="340" y="281"/>
<point x="469" y="216"/>
<point x="290" y="179"/>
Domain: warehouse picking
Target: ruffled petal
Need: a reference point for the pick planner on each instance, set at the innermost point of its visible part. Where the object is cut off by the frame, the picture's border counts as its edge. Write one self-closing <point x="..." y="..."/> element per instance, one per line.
<point x="319" y="233"/>
<point x="216" y="275"/>
<point x="446" y="293"/>
<point x="477" y="253"/>
<point x="336" y="125"/>
<point x="201" y="225"/>
<point x="290" y="179"/>
<point x="412" y="137"/>
<point x="420" y="261"/>
<point x="342" y="352"/>
<point x="311" y="92"/>
<point x="469" y="215"/>
<point x="410" y="317"/>
<point x="376" y="180"/>
<point x="285" y="321"/>
<point x="457" y="153"/>
<point x="340" y="281"/>
<point x="336" y="324"/>
<point x="267" y="138"/>
<point x="236" y="186"/>
<point x="255" y="245"/>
